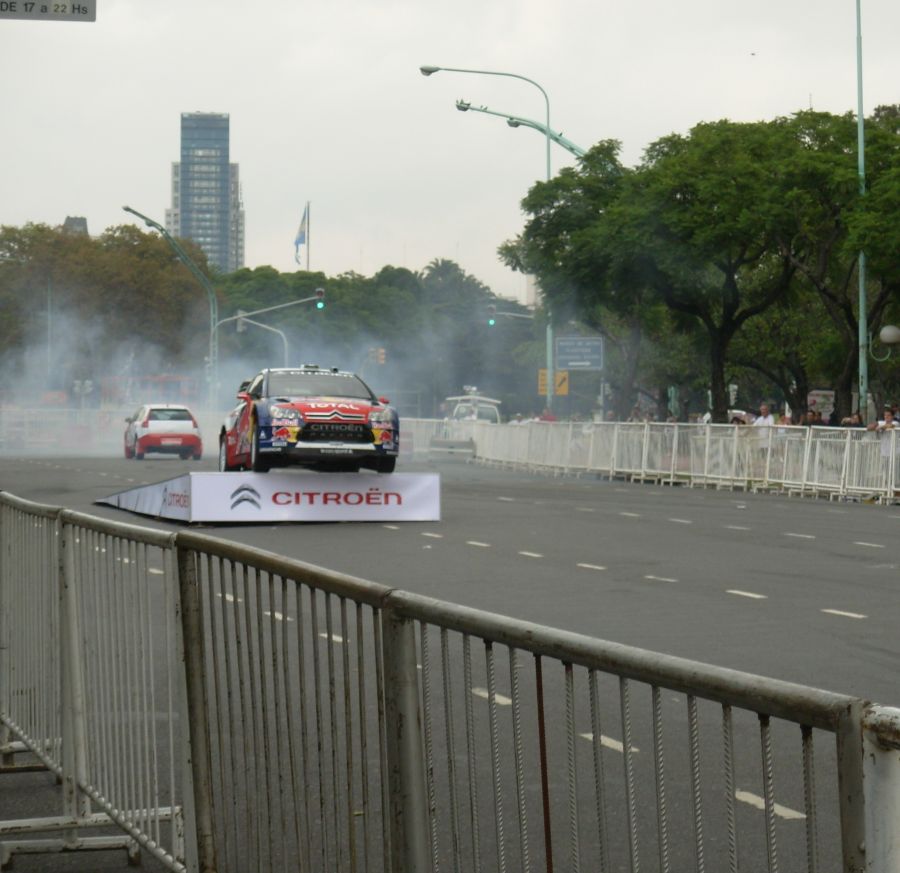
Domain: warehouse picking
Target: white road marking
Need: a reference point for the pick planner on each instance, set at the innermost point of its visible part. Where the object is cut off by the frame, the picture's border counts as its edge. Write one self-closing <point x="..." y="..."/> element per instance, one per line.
<point x="740" y="506"/>
<point x="156" y="572"/>
<point x="801" y="536"/>
<point x="478" y="544"/>
<point x="335" y="638"/>
<point x="507" y="499"/>
<point x="681" y="521"/>
<point x="230" y="598"/>
<point x="585" y="509"/>
<point x="433" y="536"/>
<point x="499" y="699"/>
<point x="869" y="545"/>
<point x="391" y="526"/>
<point x="278" y="616"/>
<point x="758" y="802"/>
<point x="426" y="547"/>
<point x="609" y="742"/>
<point x="660" y="579"/>
<point x="747" y="594"/>
<point x="844" y="614"/>
<point x="531" y="554"/>
<point x="735" y="527"/>
<point x="590" y="566"/>
<point x="621" y="491"/>
<point x="630" y="514"/>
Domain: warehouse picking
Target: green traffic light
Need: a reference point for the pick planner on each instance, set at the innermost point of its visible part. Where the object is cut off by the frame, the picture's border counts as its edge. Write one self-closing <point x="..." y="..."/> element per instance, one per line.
<point x="492" y="322"/>
<point x="320" y="304"/>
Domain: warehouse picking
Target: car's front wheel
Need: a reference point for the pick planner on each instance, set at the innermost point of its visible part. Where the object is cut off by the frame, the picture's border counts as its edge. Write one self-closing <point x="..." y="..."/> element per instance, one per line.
<point x="258" y="464"/>
<point x="224" y="466"/>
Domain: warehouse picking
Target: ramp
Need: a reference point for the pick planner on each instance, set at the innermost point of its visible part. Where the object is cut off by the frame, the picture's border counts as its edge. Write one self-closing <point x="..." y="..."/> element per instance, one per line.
<point x="286" y="496"/>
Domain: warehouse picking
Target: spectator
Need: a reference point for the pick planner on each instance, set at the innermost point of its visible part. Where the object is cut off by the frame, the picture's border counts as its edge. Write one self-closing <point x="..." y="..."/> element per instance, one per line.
<point x="765" y="418"/>
<point x="517" y="419"/>
<point x="547" y="415"/>
<point x="883" y="428"/>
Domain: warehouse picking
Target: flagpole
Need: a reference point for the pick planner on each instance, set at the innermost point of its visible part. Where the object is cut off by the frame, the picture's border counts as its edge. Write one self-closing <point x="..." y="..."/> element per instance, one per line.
<point x="308" y="235"/>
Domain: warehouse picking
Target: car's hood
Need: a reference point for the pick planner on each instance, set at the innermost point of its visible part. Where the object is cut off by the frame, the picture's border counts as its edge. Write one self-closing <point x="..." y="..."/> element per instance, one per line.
<point x="325" y="408"/>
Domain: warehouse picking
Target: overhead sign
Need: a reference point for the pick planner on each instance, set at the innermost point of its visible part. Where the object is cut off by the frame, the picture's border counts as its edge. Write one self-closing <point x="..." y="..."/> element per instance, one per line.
<point x="57" y="10"/>
<point x="579" y="352"/>
<point x="287" y="496"/>
<point x="560" y="382"/>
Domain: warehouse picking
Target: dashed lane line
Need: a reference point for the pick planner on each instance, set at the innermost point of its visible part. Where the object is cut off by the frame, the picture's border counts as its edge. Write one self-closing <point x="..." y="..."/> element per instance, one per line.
<point x="499" y="699"/>
<point x="843" y="614"/>
<point x="507" y="499"/>
<point x="531" y="554"/>
<point x="758" y="802"/>
<point x="660" y="579"/>
<point x="278" y="616"/>
<point x="736" y="527"/>
<point x="478" y="544"/>
<point x="585" y="509"/>
<point x="391" y="526"/>
<point x="752" y="595"/>
<point x="609" y="742"/>
<point x="591" y="566"/>
<point x="156" y="571"/>
<point x="229" y="598"/>
<point x="681" y="521"/>
<point x="335" y="638"/>
<point x="869" y="545"/>
<point x="433" y="536"/>
<point x="800" y="536"/>
<point x="630" y="514"/>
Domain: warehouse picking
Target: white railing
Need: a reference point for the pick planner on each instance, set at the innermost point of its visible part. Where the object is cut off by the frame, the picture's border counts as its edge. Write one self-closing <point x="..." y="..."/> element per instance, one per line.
<point x="821" y="461"/>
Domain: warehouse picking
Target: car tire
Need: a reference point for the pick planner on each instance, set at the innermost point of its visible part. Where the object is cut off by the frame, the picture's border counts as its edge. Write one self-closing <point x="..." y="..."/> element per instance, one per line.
<point x="197" y="456"/>
<point x="128" y="453"/>
<point x="138" y="455"/>
<point x="386" y="465"/>
<point x="258" y="464"/>
<point x="185" y="456"/>
<point x="223" y="458"/>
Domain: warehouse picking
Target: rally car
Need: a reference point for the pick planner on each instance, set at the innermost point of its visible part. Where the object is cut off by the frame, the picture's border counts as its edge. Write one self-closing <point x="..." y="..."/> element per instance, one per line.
<point x="325" y="419"/>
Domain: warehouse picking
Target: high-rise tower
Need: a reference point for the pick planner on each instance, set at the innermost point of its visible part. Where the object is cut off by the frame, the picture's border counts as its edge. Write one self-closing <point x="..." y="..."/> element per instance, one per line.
<point x="206" y="192"/>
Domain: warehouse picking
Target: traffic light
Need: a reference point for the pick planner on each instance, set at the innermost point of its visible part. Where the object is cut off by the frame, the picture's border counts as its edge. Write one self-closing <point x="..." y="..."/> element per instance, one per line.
<point x="320" y="294"/>
<point x="380" y="355"/>
<point x="492" y="315"/>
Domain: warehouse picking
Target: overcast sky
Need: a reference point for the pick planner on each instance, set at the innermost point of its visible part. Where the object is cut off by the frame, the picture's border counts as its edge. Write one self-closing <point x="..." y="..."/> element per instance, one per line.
<point x="327" y="105"/>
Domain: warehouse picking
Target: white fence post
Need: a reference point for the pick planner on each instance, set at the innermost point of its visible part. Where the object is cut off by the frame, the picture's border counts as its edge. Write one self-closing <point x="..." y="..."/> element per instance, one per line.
<point x="881" y="780"/>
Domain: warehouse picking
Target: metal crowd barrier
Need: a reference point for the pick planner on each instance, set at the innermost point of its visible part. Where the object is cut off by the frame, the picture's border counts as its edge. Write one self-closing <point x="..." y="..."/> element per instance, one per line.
<point x="833" y="462"/>
<point x="232" y="710"/>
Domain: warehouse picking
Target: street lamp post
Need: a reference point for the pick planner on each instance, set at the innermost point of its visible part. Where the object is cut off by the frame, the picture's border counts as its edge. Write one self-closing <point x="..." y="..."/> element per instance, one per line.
<point x="210" y="291"/>
<point x="429" y="70"/>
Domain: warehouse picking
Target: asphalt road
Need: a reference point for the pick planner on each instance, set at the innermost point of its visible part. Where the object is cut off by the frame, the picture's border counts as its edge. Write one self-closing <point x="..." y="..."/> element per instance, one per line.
<point x="796" y="589"/>
<point x="793" y="588"/>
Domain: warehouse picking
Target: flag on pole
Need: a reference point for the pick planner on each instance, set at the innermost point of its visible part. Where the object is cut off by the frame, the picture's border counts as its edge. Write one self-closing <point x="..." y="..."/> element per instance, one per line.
<point x="302" y="237"/>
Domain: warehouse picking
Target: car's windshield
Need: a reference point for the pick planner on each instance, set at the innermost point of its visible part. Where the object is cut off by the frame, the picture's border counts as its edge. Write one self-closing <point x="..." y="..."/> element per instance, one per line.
<point x="318" y="385"/>
<point x="169" y="415"/>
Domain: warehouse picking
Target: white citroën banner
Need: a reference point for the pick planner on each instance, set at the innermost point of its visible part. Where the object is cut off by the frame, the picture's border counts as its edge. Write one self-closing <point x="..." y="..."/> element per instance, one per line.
<point x="287" y="496"/>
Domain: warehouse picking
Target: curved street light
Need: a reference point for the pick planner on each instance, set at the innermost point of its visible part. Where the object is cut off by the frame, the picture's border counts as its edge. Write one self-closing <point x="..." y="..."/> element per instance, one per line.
<point x="517" y="121"/>
<point x="429" y="70"/>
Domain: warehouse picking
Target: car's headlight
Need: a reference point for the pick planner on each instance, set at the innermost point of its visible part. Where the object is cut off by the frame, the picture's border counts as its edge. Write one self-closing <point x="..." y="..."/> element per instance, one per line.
<point x="381" y="417"/>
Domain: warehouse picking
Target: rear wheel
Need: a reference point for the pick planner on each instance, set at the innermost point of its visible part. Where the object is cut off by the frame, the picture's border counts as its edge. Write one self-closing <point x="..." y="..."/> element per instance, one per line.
<point x="258" y="464"/>
<point x="387" y="464"/>
<point x="136" y="452"/>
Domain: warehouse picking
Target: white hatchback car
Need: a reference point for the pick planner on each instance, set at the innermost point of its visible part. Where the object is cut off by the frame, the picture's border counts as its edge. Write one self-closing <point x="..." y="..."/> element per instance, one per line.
<point x="166" y="428"/>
